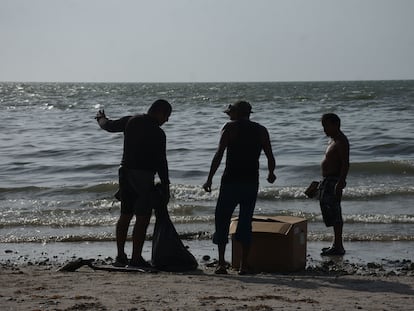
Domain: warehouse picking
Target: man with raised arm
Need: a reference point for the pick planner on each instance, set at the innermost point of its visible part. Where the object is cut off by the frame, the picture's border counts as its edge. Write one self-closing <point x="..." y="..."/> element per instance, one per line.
<point x="144" y="155"/>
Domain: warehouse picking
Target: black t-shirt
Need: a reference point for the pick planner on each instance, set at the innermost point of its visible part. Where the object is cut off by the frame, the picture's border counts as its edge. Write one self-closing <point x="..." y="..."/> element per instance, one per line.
<point x="144" y="144"/>
<point x="243" y="151"/>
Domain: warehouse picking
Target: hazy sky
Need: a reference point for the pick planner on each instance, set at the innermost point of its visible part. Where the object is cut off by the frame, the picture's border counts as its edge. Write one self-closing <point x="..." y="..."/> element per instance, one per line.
<point x="206" y="40"/>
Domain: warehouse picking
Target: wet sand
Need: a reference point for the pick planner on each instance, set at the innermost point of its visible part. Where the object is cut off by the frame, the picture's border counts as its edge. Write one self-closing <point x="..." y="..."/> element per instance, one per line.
<point x="42" y="288"/>
<point x="362" y="279"/>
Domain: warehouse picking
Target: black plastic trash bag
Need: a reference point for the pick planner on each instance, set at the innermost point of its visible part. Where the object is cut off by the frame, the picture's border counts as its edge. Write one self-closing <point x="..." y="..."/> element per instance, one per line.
<point x="168" y="251"/>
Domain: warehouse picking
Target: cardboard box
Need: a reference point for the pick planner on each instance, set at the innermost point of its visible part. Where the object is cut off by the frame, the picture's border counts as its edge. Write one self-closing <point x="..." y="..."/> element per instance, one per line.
<point x="278" y="244"/>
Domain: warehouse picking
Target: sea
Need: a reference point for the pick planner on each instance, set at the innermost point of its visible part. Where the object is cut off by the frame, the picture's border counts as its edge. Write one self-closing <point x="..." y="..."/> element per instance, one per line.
<point x="59" y="170"/>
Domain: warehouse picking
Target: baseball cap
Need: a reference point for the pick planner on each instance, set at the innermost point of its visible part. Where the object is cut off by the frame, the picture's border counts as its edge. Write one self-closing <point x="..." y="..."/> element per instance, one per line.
<point x="240" y="106"/>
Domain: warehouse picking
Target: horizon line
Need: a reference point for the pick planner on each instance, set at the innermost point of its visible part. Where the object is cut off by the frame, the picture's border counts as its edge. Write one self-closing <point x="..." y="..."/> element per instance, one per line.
<point x="195" y="82"/>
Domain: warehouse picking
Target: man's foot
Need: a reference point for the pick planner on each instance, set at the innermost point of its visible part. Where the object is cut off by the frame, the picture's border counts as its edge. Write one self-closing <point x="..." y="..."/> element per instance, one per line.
<point x="121" y="261"/>
<point x="245" y="271"/>
<point x="333" y="251"/>
<point x="220" y="269"/>
<point x="140" y="263"/>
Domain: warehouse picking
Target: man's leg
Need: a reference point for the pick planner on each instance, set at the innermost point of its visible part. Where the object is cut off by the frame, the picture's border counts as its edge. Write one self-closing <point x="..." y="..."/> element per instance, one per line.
<point x="121" y="235"/>
<point x="330" y="205"/>
<point x="338" y="236"/>
<point x="226" y="203"/>
<point x="337" y="249"/>
<point x="243" y="262"/>
<point x="221" y="252"/>
<point x="244" y="228"/>
<point x="141" y="183"/>
<point x="138" y="238"/>
<point x="124" y="220"/>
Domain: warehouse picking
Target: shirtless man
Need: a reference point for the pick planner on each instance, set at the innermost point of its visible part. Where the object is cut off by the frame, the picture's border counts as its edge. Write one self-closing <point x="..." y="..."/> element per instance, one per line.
<point x="243" y="140"/>
<point x="335" y="166"/>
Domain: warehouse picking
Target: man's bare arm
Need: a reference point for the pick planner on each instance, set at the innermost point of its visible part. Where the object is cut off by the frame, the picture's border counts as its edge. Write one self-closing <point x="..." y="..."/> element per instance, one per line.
<point x="343" y="151"/>
<point x="218" y="156"/>
<point x="271" y="162"/>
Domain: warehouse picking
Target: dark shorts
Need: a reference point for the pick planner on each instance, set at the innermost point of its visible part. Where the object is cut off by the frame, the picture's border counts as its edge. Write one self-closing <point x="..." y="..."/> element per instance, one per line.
<point x="136" y="187"/>
<point x="232" y="194"/>
<point x="329" y="203"/>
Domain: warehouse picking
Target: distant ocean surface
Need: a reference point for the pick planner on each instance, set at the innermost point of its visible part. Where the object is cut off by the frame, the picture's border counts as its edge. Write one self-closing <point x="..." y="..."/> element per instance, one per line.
<point x="58" y="169"/>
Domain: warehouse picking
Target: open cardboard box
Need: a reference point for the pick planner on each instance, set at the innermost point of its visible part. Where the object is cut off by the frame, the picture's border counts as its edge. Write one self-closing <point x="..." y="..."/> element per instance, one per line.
<point x="278" y="244"/>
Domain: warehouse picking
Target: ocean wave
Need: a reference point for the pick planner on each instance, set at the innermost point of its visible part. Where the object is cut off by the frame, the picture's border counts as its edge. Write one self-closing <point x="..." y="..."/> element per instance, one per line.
<point x="91" y="194"/>
<point x="383" y="168"/>
<point x="92" y="222"/>
<point x="366" y="169"/>
<point x="354" y="218"/>
<point x="194" y="193"/>
<point x="68" y="190"/>
<point x="379" y="219"/>
<point x="57" y="221"/>
<point x="92" y="237"/>
<point x="25" y="189"/>
<point x="181" y="215"/>
<point x="350" y="237"/>
<point x="197" y="235"/>
<point x="350" y="193"/>
<point x="376" y="193"/>
<point x="357" y="95"/>
<point x="105" y="237"/>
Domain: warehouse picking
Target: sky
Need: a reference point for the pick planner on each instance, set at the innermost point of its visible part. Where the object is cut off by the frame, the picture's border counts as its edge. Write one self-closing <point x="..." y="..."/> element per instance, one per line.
<point x="205" y="40"/>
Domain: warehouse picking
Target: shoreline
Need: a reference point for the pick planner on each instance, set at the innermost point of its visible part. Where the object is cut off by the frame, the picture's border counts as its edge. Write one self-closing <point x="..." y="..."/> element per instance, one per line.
<point x="361" y="258"/>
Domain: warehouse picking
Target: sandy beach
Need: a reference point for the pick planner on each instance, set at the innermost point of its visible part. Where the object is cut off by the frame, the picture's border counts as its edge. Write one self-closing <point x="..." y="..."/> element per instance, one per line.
<point x="361" y="281"/>
<point x="60" y="174"/>
<point x="43" y="288"/>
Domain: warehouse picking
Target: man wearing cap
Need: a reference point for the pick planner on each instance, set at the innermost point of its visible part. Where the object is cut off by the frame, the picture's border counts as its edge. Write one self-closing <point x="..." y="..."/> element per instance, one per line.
<point x="244" y="140"/>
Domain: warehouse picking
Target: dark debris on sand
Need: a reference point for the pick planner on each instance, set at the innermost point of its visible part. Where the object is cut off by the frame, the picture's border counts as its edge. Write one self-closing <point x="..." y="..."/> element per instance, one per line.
<point x="344" y="267"/>
<point x="334" y="266"/>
